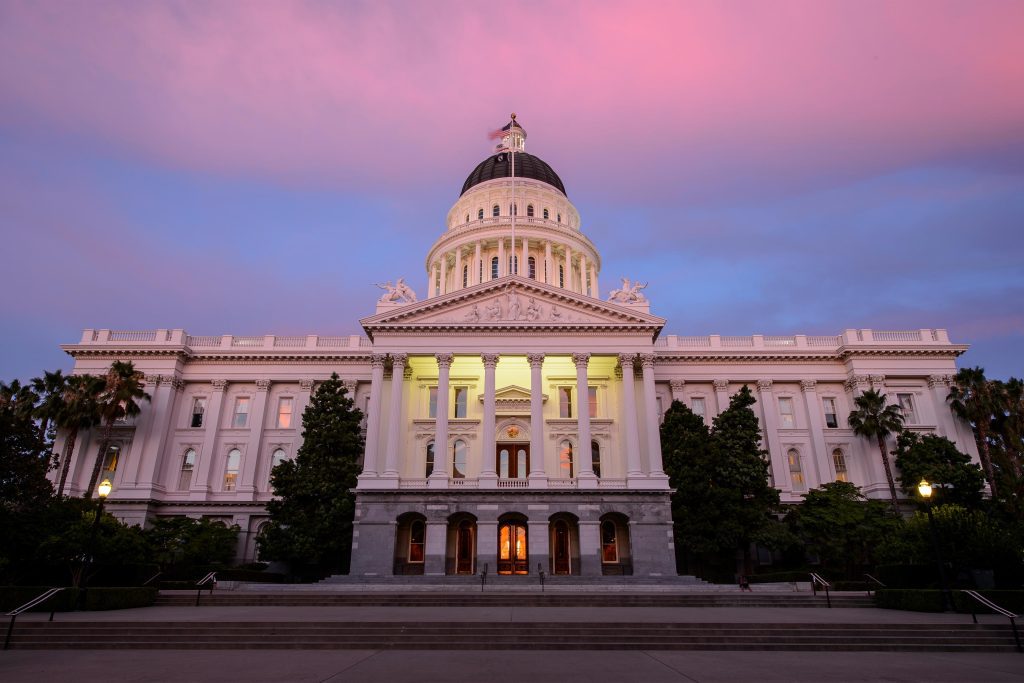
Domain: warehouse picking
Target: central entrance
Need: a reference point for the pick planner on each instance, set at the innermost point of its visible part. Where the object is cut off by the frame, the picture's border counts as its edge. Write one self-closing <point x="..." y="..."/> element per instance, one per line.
<point x="512" y="460"/>
<point x="512" y="548"/>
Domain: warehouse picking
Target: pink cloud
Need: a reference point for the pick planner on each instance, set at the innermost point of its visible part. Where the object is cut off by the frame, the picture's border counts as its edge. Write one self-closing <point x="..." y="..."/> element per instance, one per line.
<point x="362" y="94"/>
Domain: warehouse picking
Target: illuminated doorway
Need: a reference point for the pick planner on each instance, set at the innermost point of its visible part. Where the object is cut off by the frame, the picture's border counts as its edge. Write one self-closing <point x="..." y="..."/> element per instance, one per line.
<point x="512" y="558"/>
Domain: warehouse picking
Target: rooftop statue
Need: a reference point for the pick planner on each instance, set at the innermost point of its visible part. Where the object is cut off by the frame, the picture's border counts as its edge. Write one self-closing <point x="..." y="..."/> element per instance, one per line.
<point x="397" y="293"/>
<point x="629" y="293"/>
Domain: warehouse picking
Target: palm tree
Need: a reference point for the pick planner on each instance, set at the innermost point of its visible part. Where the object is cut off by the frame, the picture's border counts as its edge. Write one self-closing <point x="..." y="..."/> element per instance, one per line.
<point x="78" y="410"/>
<point x="977" y="400"/>
<point x="873" y="419"/>
<point x="18" y="398"/>
<point x="50" y="388"/>
<point x="118" y="399"/>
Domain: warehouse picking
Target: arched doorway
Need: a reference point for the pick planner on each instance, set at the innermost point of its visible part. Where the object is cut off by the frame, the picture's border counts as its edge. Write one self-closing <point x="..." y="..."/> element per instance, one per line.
<point x="512" y="545"/>
<point x="565" y="545"/>
<point x="460" y="555"/>
<point x="616" y="554"/>
<point x="410" y="544"/>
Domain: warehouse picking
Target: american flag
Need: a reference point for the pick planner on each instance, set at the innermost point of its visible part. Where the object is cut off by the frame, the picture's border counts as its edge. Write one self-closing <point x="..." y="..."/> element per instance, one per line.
<point x="496" y="134"/>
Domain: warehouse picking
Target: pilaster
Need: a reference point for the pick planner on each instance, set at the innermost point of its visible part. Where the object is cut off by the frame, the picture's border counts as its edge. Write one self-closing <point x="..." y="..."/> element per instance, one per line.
<point x="201" y="482"/>
<point x="252" y="454"/>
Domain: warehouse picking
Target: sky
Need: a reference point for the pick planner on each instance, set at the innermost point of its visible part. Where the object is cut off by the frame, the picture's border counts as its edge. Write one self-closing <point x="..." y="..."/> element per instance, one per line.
<point x="773" y="167"/>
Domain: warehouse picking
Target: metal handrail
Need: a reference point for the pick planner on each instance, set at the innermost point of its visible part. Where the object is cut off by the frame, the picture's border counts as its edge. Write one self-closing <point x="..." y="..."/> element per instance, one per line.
<point x="152" y="578"/>
<point x="211" y="579"/>
<point x="815" y="581"/>
<point x="998" y="610"/>
<point x="540" y="573"/>
<point x="483" y="577"/>
<point x="38" y="600"/>
<point x="867" y="586"/>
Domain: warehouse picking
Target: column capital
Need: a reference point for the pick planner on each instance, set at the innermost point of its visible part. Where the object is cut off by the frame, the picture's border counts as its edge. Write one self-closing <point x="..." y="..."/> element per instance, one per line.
<point x="263" y="384"/>
<point x="306" y="384"/>
<point x="580" y="359"/>
<point x="626" y="359"/>
<point x="937" y="381"/>
<point x="535" y="360"/>
<point x="407" y="372"/>
<point x="646" y="359"/>
<point x="490" y="359"/>
<point x="677" y="384"/>
<point x="444" y="359"/>
<point x="350" y="385"/>
<point x="377" y="360"/>
<point x="854" y="382"/>
<point x="809" y="385"/>
<point x="219" y="384"/>
<point x="176" y="383"/>
<point x="764" y="385"/>
<point x="878" y="380"/>
<point x="721" y="384"/>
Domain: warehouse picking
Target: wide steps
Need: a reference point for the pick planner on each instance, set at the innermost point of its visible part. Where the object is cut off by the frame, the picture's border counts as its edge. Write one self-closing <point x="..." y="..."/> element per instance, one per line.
<point x="506" y="600"/>
<point x="507" y="636"/>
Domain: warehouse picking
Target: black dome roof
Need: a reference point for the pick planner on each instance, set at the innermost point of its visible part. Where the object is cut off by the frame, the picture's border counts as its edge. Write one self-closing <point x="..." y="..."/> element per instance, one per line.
<point x="527" y="166"/>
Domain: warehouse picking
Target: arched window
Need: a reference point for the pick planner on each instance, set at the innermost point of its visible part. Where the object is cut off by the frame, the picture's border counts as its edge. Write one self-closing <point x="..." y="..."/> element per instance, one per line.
<point x="459" y="460"/>
<point x="595" y="458"/>
<point x="531" y="265"/>
<point x="417" y="540"/>
<point x="277" y="458"/>
<point x="467" y="217"/>
<point x="609" y="542"/>
<point x="839" y="460"/>
<point x="494" y="267"/>
<point x="465" y="276"/>
<point x="480" y="214"/>
<point x="495" y="211"/>
<point x="513" y="264"/>
<point x="231" y="469"/>
<point x="565" y="464"/>
<point x="796" y="472"/>
<point x="481" y="272"/>
<point x="429" y="465"/>
<point x="188" y="463"/>
<point x="561" y="275"/>
<point x="529" y="210"/>
<point x="110" y="459"/>
<point x="546" y="214"/>
<point x="513" y="209"/>
<point x="559" y="218"/>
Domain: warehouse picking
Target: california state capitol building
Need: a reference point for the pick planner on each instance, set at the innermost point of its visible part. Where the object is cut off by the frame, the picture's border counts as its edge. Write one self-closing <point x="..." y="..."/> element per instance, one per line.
<point x="512" y="407"/>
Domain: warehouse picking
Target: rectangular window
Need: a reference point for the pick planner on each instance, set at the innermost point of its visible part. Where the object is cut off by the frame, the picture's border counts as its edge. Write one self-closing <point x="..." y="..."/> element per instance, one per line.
<point x="660" y="409"/>
<point x="188" y="463"/>
<point x="432" y="402"/>
<point x="461" y="394"/>
<point x="906" y="402"/>
<point x="198" y="410"/>
<point x="697" y="405"/>
<point x="839" y="460"/>
<point x="110" y="461"/>
<point x="786" y="413"/>
<point x="831" y="418"/>
<point x="565" y="402"/>
<point x="592" y="400"/>
<point x="796" y="471"/>
<point x="284" y="413"/>
<point x="241" y="412"/>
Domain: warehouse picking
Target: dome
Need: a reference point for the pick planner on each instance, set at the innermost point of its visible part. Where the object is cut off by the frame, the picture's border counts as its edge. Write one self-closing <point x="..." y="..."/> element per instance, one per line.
<point x="527" y="166"/>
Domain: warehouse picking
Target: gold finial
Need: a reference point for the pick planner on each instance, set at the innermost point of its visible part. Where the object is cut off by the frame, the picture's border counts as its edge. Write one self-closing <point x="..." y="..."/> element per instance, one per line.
<point x="513" y="116"/>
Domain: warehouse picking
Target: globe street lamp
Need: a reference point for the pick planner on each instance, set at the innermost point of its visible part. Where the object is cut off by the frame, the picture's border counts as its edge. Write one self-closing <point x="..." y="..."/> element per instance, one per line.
<point x="103" y="490"/>
<point x="925" y="489"/>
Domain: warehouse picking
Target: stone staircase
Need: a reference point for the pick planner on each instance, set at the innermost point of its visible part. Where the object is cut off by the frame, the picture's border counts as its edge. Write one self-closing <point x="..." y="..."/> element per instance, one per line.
<point x="195" y="635"/>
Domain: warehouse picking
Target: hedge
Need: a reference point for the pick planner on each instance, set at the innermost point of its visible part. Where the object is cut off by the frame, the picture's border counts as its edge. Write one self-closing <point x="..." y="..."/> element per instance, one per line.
<point x="97" y="599"/>
<point x="930" y="600"/>
<point x="908" y="575"/>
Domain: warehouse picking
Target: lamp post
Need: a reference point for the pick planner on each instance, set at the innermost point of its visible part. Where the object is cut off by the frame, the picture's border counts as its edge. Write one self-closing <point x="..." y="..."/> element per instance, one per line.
<point x="925" y="489"/>
<point x="103" y="490"/>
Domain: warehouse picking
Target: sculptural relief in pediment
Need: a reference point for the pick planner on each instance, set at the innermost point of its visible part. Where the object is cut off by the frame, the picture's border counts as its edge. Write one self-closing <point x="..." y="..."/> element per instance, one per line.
<point x="512" y="306"/>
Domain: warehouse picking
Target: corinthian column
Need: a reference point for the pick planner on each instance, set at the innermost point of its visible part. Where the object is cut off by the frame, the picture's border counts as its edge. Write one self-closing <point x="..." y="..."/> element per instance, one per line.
<point x="633" y="469"/>
<point x="395" y="422"/>
<point x="584" y="463"/>
<point x="655" y="470"/>
<point x="487" y="432"/>
<point x="538" y="475"/>
<point x="442" y="457"/>
<point x="373" y="419"/>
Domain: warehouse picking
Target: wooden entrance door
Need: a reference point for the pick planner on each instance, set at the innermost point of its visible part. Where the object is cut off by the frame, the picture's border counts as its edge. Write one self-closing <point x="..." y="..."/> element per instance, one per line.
<point x="512" y="557"/>
<point x="561" y="548"/>
<point x="465" y="547"/>
<point x="512" y="460"/>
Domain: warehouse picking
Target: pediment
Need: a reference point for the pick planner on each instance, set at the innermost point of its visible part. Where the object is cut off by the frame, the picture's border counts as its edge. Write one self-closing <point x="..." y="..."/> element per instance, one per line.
<point x="512" y="302"/>
<point x="512" y="392"/>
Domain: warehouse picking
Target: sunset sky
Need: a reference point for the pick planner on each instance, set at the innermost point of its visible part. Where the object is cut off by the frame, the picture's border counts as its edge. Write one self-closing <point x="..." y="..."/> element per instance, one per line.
<point x="768" y="167"/>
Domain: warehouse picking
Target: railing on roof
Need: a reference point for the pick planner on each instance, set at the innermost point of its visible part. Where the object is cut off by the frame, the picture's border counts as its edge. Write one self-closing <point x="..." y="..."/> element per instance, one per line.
<point x="849" y="338"/>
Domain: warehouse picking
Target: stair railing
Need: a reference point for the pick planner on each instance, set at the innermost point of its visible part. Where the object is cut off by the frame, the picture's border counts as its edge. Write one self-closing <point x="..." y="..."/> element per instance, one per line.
<point x="998" y="610"/>
<point x="38" y="600"/>
<point x="816" y="581"/>
<point x="152" y="578"/>
<point x="483" y="578"/>
<point x="540" y="573"/>
<point x="210" y="580"/>
<point x="868" y="580"/>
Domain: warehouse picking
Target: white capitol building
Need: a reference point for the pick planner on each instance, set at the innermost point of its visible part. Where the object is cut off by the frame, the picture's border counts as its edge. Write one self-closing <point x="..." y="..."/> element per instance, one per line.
<point x="512" y="412"/>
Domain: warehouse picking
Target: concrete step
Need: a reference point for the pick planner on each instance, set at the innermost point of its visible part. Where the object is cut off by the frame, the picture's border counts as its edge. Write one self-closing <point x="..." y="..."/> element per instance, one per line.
<point x="505" y="636"/>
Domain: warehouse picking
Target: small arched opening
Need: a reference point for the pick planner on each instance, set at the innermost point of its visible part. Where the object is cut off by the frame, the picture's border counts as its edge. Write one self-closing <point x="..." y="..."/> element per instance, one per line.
<point x="410" y="544"/>
<point x="616" y="555"/>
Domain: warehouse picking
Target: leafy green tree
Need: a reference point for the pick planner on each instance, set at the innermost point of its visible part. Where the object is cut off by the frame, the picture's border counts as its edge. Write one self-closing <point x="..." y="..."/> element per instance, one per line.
<point x="935" y="458"/>
<point x="978" y="400"/>
<point x="186" y="541"/>
<point x="873" y="419"/>
<point x="841" y="526"/>
<point x="723" y="502"/>
<point x="78" y="409"/>
<point x="122" y="389"/>
<point x="311" y="516"/>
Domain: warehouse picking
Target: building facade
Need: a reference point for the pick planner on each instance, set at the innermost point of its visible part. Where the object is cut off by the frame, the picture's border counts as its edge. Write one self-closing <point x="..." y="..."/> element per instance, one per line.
<point x="512" y="414"/>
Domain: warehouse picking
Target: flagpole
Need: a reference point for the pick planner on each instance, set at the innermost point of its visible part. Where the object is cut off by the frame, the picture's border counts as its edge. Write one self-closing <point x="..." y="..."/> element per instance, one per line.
<point x="512" y="152"/>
